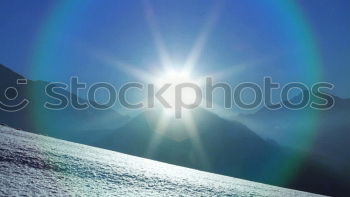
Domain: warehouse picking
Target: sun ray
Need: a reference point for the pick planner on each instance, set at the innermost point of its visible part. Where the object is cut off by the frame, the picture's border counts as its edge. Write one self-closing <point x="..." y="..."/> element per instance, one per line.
<point x="201" y="40"/>
<point x="161" y="126"/>
<point x="162" y="50"/>
<point x="228" y="72"/>
<point x="192" y="130"/>
<point x="144" y="76"/>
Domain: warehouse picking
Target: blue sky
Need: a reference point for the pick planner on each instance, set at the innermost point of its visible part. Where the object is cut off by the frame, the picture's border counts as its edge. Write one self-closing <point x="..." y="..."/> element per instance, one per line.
<point x="251" y="39"/>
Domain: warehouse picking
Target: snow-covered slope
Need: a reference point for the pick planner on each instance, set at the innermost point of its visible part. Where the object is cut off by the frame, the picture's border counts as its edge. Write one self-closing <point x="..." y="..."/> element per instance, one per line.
<point x="38" y="165"/>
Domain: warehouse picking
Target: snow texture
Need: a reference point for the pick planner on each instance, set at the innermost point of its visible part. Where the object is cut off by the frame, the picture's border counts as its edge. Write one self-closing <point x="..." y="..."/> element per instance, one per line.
<point x="34" y="165"/>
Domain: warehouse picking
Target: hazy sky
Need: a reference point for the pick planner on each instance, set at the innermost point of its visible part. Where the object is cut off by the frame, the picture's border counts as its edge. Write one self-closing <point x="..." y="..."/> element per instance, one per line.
<point x="53" y="40"/>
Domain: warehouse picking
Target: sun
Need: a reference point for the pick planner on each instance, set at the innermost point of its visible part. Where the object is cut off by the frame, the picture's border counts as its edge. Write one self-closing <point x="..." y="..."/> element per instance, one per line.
<point x="173" y="78"/>
<point x="168" y="74"/>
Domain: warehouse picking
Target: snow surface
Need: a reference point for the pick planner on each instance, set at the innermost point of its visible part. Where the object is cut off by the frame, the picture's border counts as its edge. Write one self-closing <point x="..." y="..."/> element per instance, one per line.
<point x="34" y="165"/>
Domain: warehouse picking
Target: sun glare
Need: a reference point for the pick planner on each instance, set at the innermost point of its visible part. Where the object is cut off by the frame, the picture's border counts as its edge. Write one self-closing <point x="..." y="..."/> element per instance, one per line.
<point x="174" y="78"/>
<point x="170" y="75"/>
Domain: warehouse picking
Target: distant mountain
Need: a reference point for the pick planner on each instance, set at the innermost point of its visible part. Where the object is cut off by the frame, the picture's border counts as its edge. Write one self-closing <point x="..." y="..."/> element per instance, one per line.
<point x="324" y="133"/>
<point x="220" y="146"/>
<point x="212" y="144"/>
<point x="68" y="123"/>
<point x="176" y="143"/>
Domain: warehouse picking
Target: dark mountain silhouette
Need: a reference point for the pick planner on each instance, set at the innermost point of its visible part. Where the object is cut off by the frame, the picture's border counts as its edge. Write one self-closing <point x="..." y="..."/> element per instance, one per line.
<point x="327" y="132"/>
<point x="221" y="146"/>
<point x="68" y="123"/>
<point x="214" y="144"/>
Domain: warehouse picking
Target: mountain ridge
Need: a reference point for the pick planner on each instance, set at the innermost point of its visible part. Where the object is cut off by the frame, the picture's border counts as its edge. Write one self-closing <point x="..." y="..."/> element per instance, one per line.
<point x="36" y="118"/>
<point x="229" y="148"/>
<point x="217" y="145"/>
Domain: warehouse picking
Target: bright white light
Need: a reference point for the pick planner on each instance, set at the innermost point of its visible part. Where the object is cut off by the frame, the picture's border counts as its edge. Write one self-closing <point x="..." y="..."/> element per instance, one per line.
<point x="173" y="77"/>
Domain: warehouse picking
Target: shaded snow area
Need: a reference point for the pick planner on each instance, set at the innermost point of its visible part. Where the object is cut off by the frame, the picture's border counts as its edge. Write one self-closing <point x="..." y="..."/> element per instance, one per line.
<point x="34" y="165"/>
